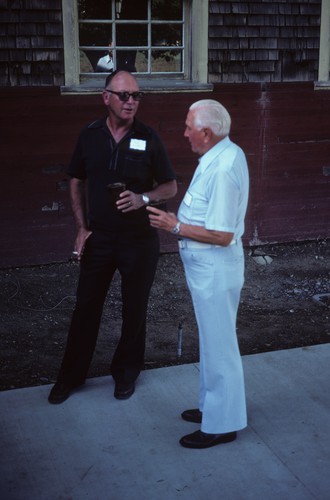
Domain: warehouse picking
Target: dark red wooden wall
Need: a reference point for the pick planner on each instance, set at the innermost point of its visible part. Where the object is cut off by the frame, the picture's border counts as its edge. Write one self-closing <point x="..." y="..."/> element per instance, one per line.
<point x="283" y="128"/>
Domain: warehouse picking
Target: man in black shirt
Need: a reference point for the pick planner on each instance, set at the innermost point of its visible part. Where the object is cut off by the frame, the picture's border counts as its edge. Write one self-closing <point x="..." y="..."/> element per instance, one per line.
<point x="111" y="236"/>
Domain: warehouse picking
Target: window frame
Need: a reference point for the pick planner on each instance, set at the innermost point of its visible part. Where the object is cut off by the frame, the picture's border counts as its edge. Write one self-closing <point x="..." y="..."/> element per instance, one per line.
<point x="324" y="52"/>
<point x="115" y="24"/>
<point x="197" y="57"/>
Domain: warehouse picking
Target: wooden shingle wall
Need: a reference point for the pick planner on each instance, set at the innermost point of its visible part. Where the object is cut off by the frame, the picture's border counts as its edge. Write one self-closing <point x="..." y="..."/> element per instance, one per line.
<point x="249" y="41"/>
<point x="31" y="43"/>
<point x="263" y="41"/>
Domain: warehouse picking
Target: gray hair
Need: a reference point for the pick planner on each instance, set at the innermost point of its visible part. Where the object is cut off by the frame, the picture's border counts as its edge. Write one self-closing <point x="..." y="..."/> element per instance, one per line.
<point x="211" y="114"/>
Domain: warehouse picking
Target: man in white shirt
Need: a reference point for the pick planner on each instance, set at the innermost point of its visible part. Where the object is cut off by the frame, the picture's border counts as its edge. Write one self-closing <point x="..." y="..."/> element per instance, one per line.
<point x="210" y="224"/>
<point x="105" y="63"/>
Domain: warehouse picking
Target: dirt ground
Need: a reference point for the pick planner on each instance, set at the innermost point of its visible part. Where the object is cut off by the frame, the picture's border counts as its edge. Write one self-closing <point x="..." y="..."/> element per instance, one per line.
<point x="284" y="305"/>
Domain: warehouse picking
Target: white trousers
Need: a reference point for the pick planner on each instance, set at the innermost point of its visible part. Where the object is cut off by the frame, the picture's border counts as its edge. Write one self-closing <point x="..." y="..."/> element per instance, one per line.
<point x="215" y="276"/>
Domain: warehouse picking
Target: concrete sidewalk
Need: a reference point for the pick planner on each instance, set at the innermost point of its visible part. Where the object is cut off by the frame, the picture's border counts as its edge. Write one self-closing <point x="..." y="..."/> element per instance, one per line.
<point x="98" y="448"/>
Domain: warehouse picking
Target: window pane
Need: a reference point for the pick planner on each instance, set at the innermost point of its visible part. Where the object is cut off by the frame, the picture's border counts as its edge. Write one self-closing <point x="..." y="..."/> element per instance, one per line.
<point x="99" y="61"/>
<point x="166" y="61"/>
<point x="133" y="9"/>
<point x="126" y="60"/>
<point x="163" y="9"/>
<point x="95" y="35"/>
<point x="131" y="35"/>
<point x="141" y="61"/>
<point x="101" y="9"/>
<point x="105" y="63"/>
<point x="166" y="34"/>
<point x="95" y="61"/>
<point x="85" y="63"/>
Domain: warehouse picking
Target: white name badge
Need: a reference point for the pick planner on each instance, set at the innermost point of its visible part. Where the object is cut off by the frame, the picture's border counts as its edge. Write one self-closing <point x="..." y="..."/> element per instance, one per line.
<point x="187" y="199"/>
<point x="138" y="144"/>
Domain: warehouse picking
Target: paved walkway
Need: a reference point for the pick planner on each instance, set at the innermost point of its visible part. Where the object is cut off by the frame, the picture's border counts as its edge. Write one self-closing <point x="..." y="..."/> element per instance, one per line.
<point x="95" y="447"/>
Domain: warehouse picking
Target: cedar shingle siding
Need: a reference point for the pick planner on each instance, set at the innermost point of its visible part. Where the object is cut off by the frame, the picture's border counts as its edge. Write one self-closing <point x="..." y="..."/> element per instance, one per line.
<point x="263" y="41"/>
<point x="31" y="43"/>
<point x="251" y="41"/>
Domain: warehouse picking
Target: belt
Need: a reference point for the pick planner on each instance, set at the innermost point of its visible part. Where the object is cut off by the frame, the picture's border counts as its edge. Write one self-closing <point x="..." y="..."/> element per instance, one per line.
<point x="198" y="244"/>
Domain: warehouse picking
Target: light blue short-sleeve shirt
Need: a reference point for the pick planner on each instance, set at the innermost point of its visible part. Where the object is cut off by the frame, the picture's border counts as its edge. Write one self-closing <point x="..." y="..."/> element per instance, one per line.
<point x="217" y="196"/>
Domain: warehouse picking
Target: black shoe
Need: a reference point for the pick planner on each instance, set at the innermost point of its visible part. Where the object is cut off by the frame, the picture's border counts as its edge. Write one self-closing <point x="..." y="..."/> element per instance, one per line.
<point x="201" y="439"/>
<point x="60" y="392"/>
<point x="124" y="391"/>
<point x="194" y="415"/>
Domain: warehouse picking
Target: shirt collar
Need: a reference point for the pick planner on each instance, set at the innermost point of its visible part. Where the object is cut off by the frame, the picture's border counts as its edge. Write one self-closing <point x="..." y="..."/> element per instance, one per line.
<point x="212" y="153"/>
<point x="137" y="126"/>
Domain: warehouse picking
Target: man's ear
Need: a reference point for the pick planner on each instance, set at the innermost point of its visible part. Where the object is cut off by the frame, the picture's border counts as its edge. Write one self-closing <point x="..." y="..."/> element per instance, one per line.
<point x="105" y="97"/>
<point x="208" y="134"/>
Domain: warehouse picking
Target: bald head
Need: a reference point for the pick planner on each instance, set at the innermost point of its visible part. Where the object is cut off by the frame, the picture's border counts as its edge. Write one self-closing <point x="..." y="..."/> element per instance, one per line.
<point x="119" y="74"/>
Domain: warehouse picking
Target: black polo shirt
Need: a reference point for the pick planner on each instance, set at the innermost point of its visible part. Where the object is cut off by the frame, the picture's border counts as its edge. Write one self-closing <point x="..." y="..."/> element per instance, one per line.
<point x="139" y="159"/>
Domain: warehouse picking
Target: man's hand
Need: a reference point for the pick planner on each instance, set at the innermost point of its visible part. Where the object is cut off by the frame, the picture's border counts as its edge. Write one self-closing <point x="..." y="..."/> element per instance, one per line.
<point x="79" y="245"/>
<point x="162" y="220"/>
<point x="129" y="201"/>
<point x="167" y="221"/>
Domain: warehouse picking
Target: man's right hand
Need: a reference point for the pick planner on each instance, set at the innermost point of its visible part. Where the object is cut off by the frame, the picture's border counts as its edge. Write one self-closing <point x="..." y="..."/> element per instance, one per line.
<point x="79" y="245"/>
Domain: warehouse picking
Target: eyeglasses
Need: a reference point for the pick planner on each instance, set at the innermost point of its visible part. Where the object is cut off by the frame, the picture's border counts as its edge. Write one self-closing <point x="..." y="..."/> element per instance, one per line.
<point x="124" y="96"/>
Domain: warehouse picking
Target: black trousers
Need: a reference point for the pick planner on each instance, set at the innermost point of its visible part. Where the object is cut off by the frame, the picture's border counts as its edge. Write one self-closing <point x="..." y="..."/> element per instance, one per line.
<point x="135" y="256"/>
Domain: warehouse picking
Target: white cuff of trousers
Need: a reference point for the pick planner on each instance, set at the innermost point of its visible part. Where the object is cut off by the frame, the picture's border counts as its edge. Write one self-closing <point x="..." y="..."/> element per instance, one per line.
<point x="198" y="244"/>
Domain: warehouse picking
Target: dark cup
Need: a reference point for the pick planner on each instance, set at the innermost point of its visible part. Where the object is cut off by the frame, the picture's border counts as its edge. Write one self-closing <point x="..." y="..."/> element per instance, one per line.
<point x="161" y="204"/>
<point x="115" y="189"/>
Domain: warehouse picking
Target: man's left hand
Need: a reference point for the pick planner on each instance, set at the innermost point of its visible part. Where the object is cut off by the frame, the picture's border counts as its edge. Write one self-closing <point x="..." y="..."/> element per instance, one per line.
<point x="129" y="201"/>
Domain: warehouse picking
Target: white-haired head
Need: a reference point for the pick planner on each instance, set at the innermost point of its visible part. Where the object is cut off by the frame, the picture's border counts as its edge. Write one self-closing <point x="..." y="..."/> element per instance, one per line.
<point x="209" y="113"/>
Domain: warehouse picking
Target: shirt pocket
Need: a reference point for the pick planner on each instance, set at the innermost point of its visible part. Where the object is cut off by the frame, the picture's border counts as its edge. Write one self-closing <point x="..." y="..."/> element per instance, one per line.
<point x="136" y="166"/>
<point x="198" y="206"/>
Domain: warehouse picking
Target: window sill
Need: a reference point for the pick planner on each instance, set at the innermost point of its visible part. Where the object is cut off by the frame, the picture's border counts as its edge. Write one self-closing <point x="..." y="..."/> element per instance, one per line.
<point x="160" y="86"/>
<point x="322" y="85"/>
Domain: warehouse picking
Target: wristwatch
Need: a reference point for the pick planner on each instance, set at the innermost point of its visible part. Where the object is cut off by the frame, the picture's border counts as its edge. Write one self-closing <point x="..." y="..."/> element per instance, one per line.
<point x="176" y="229"/>
<point x="145" y="199"/>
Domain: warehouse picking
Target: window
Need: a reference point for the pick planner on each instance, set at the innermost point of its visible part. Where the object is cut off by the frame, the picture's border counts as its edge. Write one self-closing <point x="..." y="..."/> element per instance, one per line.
<point x="164" y="43"/>
<point x="324" y="57"/>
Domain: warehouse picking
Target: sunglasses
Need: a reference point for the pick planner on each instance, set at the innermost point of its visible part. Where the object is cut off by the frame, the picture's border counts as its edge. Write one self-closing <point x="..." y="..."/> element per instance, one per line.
<point x="124" y="96"/>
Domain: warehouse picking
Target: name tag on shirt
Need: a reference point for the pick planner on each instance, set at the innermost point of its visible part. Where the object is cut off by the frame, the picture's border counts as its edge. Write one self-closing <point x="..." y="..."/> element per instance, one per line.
<point x="187" y="199"/>
<point x="138" y="144"/>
